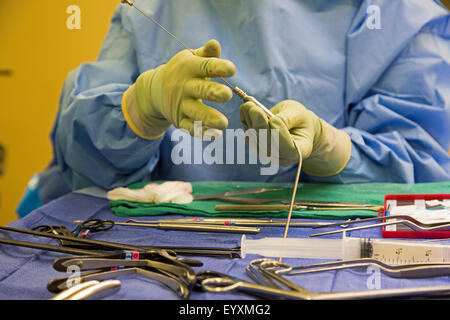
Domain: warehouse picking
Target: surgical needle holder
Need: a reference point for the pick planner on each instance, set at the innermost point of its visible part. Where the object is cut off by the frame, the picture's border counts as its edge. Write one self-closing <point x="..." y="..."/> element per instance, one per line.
<point x="244" y="96"/>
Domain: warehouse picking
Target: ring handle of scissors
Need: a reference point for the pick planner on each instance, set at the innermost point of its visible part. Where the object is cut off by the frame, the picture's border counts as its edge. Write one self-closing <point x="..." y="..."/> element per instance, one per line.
<point x="219" y="284"/>
<point x="58" y="230"/>
<point x="274" y="266"/>
<point x="95" y="225"/>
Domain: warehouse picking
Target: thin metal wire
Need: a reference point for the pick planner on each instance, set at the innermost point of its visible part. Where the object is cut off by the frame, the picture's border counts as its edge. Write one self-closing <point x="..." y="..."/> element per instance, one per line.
<point x="294" y="191"/>
<point x="130" y="3"/>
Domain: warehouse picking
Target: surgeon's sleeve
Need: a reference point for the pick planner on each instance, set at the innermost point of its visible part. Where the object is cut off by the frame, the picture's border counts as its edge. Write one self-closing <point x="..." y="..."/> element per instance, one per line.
<point x="400" y="125"/>
<point x="92" y="141"/>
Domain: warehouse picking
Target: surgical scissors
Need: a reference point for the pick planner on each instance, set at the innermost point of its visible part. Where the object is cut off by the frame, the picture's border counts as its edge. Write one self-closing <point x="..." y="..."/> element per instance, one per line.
<point x="245" y="97"/>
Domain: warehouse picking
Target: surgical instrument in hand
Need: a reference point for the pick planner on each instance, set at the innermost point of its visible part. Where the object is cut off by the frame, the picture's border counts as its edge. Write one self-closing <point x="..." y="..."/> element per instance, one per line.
<point x="182" y="226"/>
<point x="238" y="91"/>
<point x="393" y="220"/>
<point x="91" y="290"/>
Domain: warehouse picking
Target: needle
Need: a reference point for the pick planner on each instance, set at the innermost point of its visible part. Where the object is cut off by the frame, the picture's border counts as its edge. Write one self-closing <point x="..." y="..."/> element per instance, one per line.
<point x="238" y="91"/>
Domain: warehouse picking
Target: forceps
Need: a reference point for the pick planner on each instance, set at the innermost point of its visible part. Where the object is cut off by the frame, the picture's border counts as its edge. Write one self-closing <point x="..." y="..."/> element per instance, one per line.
<point x="397" y="219"/>
<point x="219" y="284"/>
<point x="409" y="271"/>
<point x="295" y="291"/>
<point x="96" y="245"/>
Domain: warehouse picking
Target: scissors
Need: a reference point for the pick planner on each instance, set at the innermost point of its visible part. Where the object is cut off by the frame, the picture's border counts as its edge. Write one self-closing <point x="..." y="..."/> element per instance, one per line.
<point x="223" y="283"/>
<point x="214" y="281"/>
<point x="406" y="271"/>
<point x="91" y="226"/>
<point x="82" y="231"/>
<point x="58" y="230"/>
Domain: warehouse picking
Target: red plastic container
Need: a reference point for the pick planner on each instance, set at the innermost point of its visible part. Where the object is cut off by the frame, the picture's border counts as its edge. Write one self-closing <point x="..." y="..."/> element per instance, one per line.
<point x="401" y="231"/>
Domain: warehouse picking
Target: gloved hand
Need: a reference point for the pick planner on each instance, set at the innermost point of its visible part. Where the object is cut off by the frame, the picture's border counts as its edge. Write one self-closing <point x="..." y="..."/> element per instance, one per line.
<point x="173" y="93"/>
<point x="325" y="150"/>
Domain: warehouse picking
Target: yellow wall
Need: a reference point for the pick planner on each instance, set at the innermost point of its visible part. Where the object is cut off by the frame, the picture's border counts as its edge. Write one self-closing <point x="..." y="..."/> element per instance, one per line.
<point x="446" y="3"/>
<point x="39" y="50"/>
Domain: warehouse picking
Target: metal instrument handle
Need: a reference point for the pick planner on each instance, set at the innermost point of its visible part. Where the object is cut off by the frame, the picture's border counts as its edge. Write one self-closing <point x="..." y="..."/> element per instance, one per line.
<point x="227" y="284"/>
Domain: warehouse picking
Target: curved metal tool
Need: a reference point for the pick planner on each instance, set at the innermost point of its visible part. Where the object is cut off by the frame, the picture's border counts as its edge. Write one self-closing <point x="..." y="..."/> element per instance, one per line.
<point x="397" y="219"/>
<point x="91" y="290"/>
<point x="183" y="272"/>
<point x="410" y="271"/>
<point x="173" y="283"/>
<point x="224" y="284"/>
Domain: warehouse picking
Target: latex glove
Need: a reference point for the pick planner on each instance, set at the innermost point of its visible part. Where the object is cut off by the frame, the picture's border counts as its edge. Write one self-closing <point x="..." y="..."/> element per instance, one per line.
<point x="173" y="93"/>
<point x="325" y="150"/>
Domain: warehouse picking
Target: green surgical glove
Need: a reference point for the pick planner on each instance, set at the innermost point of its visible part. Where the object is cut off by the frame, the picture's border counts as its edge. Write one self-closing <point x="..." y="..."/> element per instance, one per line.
<point x="325" y="149"/>
<point x="173" y="94"/>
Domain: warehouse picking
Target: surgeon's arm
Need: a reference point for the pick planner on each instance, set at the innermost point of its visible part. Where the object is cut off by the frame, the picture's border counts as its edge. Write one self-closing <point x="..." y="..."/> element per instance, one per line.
<point x="398" y="116"/>
<point x="93" y="143"/>
<point x="400" y="128"/>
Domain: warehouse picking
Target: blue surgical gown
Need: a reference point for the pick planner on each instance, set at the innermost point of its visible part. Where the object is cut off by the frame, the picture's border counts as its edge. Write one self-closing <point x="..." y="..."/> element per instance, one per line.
<point x="378" y="69"/>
